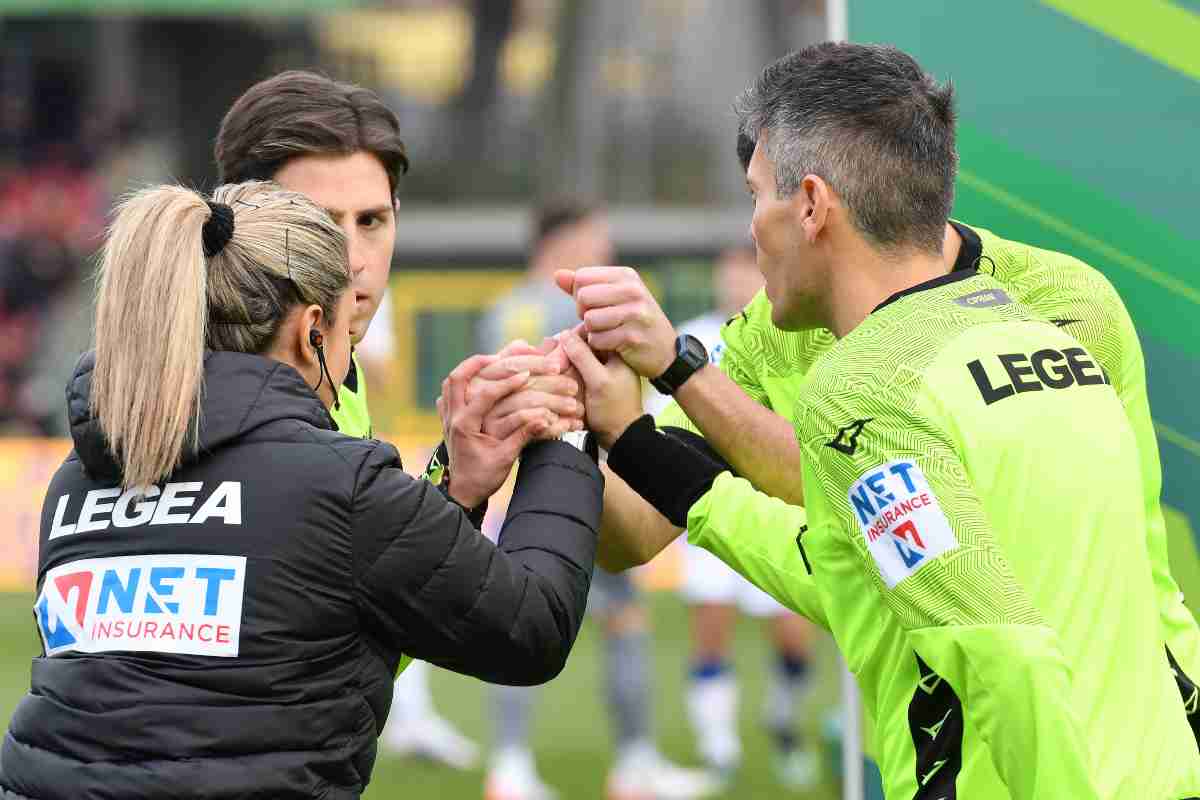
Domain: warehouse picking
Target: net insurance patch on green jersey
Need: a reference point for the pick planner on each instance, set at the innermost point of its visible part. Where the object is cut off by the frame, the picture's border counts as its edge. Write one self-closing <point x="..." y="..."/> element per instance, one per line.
<point x="900" y="518"/>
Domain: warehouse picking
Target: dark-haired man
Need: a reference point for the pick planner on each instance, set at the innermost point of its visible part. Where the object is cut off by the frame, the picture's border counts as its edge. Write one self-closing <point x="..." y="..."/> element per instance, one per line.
<point x="951" y="444"/>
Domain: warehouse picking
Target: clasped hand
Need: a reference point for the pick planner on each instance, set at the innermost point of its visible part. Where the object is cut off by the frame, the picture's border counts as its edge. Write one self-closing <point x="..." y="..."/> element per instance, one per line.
<point x="492" y="406"/>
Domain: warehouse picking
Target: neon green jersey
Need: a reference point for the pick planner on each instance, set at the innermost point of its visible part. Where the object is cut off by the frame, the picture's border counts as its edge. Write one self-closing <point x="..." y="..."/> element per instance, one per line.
<point x="971" y="496"/>
<point x="353" y="418"/>
<point x="769" y="365"/>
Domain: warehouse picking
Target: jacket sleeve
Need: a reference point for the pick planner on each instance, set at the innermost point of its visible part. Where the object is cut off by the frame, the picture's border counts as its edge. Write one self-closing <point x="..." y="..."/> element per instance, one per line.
<point x="429" y="584"/>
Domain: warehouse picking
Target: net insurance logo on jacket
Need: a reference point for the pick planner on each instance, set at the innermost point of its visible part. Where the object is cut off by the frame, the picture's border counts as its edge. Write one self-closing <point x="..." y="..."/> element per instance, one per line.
<point x="187" y="603"/>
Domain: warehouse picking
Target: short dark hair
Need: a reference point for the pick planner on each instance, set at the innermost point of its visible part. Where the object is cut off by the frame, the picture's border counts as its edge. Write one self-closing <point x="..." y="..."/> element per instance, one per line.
<point x="553" y="216"/>
<point x="745" y="149"/>
<point x="298" y="113"/>
<point x="869" y="121"/>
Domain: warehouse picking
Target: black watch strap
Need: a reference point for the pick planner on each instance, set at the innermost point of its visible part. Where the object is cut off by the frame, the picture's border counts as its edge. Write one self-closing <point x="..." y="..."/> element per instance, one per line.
<point x="690" y="357"/>
<point x="673" y="378"/>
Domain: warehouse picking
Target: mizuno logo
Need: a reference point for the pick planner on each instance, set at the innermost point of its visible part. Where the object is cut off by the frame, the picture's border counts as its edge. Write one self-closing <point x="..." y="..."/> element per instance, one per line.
<point x="1062" y="323"/>
<point x="1192" y="703"/>
<point x="846" y="440"/>
<point x="934" y="730"/>
<point x="937" y="766"/>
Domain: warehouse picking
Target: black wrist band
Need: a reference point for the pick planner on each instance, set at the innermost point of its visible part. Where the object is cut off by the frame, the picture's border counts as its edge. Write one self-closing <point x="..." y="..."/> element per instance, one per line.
<point x="698" y="443"/>
<point x="669" y="474"/>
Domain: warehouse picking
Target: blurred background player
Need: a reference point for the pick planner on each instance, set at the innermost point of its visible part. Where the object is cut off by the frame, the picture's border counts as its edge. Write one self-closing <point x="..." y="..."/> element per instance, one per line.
<point x="715" y="593"/>
<point x="571" y="233"/>
<point x="340" y="145"/>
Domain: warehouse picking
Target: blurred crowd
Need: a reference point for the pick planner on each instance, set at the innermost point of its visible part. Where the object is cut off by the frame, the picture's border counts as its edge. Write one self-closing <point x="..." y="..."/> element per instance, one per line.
<point x="54" y="195"/>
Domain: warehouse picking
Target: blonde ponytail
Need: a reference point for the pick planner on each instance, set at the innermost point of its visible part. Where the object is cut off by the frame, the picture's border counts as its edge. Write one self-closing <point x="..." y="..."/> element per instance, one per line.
<point x="161" y="303"/>
<point x="151" y="320"/>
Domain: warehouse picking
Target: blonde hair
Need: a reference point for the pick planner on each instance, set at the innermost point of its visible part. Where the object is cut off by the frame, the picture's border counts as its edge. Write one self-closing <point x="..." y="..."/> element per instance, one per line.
<point x="162" y="303"/>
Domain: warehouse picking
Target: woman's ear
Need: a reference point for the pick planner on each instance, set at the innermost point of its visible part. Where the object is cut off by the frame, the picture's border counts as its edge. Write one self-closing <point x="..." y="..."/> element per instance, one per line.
<point x="312" y="318"/>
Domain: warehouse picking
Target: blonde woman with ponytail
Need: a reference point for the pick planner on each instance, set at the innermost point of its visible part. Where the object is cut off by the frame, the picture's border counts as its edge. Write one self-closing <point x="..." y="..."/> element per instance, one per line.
<point x="226" y="583"/>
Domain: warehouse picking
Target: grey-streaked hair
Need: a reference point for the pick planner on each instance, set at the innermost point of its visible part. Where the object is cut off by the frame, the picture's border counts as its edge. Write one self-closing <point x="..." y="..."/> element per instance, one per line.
<point x="871" y="123"/>
<point x="162" y="302"/>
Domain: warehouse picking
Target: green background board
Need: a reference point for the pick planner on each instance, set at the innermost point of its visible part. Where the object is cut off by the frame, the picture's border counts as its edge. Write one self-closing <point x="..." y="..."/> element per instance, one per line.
<point x="1077" y="142"/>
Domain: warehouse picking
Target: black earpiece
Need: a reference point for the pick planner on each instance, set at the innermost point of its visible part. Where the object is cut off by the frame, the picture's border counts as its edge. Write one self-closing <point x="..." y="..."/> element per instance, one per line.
<point x="317" y="340"/>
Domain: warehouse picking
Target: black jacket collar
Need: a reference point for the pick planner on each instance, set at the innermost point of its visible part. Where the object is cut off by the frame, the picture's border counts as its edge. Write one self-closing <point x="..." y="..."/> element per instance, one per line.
<point x="241" y="392"/>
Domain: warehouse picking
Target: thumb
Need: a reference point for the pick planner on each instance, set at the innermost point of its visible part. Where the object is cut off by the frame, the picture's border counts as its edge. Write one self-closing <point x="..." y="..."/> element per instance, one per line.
<point x="565" y="278"/>
<point x="582" y="357"/>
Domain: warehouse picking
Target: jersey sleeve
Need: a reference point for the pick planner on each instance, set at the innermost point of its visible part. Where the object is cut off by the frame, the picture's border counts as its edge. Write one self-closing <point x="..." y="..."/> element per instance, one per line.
<point x="760" y="537"/>
<point x="742" y="349"/>
<point x="736" y="357"/>
<point x="672" y="416"/>
<point x="1181" y="634"/>
<point x="898" y="494"/>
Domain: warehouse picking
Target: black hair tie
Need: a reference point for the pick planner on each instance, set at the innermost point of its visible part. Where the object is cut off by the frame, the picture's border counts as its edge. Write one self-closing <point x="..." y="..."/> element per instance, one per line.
<point x="218" y="228"/>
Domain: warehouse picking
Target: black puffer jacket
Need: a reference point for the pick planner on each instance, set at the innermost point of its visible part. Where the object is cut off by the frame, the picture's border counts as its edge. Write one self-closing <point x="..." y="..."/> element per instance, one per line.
<point x="235" y="633"/>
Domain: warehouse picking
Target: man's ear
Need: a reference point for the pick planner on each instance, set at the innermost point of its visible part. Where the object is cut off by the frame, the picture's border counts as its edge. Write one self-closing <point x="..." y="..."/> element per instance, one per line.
<point x="814" y="200"/>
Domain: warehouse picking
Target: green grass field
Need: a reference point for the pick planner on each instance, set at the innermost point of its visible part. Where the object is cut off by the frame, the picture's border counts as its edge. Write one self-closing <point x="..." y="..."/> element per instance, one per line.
<point x="571" y="729"/>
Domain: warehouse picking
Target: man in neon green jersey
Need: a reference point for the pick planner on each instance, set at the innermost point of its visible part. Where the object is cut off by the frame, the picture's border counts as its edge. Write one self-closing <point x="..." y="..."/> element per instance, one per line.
<point x="952" y="448"/>
<point x="763" y="368"/>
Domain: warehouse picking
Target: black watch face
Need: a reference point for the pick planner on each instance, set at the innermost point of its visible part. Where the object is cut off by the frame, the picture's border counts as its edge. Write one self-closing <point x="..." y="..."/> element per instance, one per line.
<point x="693" y="352"/>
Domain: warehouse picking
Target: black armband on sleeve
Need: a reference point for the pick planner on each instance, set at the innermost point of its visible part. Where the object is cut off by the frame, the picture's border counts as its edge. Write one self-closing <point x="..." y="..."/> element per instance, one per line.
<point x="698" y="442"/>
<point x="666" y="472"/>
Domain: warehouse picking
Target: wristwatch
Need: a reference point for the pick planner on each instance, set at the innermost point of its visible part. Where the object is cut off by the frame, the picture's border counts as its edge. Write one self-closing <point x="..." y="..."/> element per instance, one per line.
<point x="690" y="356"/>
